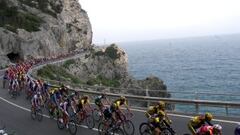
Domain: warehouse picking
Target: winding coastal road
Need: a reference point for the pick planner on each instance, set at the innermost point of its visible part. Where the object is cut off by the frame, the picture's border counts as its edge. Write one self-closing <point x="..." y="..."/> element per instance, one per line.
<point x="15" y="114"/>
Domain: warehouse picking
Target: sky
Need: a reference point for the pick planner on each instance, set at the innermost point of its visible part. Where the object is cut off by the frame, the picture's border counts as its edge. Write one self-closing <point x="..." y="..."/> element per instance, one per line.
<point x="136" y="20"/>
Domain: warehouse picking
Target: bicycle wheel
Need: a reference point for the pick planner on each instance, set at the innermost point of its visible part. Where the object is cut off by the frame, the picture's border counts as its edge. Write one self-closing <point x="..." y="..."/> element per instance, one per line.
<point x="39" y="115"/>
<point x="33" y="114"/>
<point x="166" y="131"/>
<point x="102" y="128"/>
<point x="145" y="129"/>
<point x="4" y="82"/>
<point x="118" y="131"/>
<point x="96" y="115"/>
<point x="14" y="94"/>
<point x="60" y="123"/>
<point x="72" y="127"/>
<point x="90" y="121"/>
<point x="128" y="127"/>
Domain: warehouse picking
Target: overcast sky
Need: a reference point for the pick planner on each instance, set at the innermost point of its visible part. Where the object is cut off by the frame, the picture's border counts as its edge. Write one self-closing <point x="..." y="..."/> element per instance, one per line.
<point x="134" y="20"/>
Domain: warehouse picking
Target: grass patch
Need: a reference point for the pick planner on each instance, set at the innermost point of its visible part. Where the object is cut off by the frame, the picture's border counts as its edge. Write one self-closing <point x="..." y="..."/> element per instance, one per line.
<point x="54" y="72"/>
<point x="104" y="81"/>
<point x="67" y="63"/>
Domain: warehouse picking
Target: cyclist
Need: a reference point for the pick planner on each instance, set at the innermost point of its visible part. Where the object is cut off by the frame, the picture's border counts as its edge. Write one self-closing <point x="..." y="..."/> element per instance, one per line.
<point x="155" y="114"/>
<point x="5" y="78"/>
<point x="99" y="101"/>
<point x="210" y="130"/>
<point x="115" y="108"/>
<point x="53" y="96"/>
<point x="64" y="90"/>
<point x="73" y="101"/>
<point x="53" y="101"/>
<point x="82" y="103"/>
<point x="63" y="107"/>
<point x="37" y="101"/>
<point x="197" y="121"/>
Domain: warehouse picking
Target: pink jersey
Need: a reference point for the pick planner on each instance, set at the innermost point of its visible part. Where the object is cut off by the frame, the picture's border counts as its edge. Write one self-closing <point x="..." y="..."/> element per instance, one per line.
<point x="204" y="129"/>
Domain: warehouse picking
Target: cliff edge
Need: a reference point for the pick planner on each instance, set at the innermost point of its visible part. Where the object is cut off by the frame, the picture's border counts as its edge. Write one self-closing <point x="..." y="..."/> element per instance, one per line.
<point x="42" y="28"/>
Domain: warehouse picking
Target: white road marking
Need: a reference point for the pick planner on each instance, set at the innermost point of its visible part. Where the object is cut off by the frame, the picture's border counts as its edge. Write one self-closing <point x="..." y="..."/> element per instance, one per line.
<point x="28" y="110"/>
<point x="138" y="110"/>
<point x="185" y="116"/>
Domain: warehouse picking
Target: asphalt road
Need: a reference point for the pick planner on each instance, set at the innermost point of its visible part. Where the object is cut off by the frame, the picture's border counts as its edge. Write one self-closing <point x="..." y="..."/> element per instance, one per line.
<point x="16" y="116"/>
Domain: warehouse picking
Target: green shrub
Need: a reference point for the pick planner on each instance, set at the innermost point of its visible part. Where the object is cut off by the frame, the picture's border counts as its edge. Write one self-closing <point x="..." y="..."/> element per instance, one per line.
<point x="67" y="63"/>
<point x="112" y="52"/>
<point x="12" y="19"/>
<point x="10" y="28"/>
<point x="99" y="53"/>
<point x="54" y="72"/>
<point x="43" y="6"/>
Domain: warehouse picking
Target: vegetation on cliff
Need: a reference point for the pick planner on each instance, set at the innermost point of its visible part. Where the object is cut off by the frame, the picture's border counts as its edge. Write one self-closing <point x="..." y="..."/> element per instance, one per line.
<point x="54" y="72"/>
<point x="12" y="19"/>
<point x="111" y="51"/>
<point x="67" y="63"/>
<point x="100" y="80"/>
<point x="44" y="5"/>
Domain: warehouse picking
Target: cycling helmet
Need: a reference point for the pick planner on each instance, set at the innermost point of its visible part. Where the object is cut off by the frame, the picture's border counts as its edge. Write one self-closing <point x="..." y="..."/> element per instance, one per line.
<point x="217" y="127"/>
<point x="103" y="95"/>
<point x="72" y="95"/>
<point x="161" y="105"/>
<point x="123" y="98"/>
<point x="85" y="97"/>
<point x="208" y="116"/>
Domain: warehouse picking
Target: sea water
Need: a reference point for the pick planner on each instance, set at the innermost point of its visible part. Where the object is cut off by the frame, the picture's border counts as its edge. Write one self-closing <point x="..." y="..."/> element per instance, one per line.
<point x="209" y="65"/>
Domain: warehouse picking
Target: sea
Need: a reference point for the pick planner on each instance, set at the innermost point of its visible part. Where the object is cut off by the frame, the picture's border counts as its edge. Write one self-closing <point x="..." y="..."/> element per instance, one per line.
<point x="205" y="68"/>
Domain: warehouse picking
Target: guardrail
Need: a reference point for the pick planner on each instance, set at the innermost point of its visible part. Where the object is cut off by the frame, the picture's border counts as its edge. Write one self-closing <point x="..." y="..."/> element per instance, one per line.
<point x="143" y="101"/>
<point x="197" y="103"/>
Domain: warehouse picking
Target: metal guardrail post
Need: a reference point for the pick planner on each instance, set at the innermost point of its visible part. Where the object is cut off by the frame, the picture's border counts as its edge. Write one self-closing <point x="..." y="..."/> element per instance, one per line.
<point x="147" y="94"/>
<point x="197" y="108"/>
<point x="196" y="95"/>
<point x="196" y="105"/>
<point x="226" y="108"/>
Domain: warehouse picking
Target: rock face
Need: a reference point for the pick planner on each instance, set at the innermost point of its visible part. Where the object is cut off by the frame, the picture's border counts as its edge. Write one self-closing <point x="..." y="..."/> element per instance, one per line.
<point x="109" y="63"/>
<point x="42" y="28"/>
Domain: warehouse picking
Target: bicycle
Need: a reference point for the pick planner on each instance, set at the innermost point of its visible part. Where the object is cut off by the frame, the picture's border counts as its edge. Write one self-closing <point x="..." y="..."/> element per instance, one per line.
<point x="83" y="116"/>
<point x="127" y="124"/>
<point x="108" y="127"/>
<point x="4" y="82"/>
<point x="146" y="128"/>
<point x="13" y="92"/>
<point x="37" y="113"/>
<point x="98" y="114"/>
<point x="70" y="125"/>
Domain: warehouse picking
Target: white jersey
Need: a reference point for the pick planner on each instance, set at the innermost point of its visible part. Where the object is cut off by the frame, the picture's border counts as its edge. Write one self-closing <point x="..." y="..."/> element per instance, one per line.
<point x="36" y="100"/>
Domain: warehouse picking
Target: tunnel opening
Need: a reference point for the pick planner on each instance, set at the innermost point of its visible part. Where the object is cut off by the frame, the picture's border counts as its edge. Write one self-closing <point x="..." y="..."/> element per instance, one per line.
<point x="13" y="57"/>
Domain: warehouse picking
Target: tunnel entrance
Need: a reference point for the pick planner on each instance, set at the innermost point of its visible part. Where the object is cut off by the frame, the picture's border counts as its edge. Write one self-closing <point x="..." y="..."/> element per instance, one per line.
<point x="14" y="57"/>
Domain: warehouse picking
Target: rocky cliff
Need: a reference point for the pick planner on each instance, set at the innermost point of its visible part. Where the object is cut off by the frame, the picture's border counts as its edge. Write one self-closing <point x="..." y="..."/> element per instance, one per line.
<point x="42" y="28"/>
<point x="104" y="66"/>
<point x="48" y="28"/>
